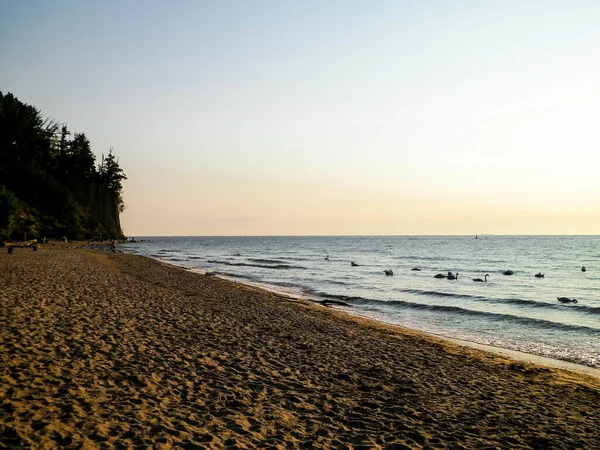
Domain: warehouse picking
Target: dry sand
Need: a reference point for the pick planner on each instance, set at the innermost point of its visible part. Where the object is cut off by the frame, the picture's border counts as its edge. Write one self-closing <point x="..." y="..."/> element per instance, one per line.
<point x="102" y="350"/>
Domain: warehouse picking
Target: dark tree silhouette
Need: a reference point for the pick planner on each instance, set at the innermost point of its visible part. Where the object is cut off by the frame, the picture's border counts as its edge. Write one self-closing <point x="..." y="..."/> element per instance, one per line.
<point x="111" y="176"/>
<point x="52" y="175"/>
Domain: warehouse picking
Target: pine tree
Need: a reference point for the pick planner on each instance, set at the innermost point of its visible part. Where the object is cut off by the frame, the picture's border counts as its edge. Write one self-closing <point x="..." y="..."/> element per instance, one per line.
<point x="112" y="176"/>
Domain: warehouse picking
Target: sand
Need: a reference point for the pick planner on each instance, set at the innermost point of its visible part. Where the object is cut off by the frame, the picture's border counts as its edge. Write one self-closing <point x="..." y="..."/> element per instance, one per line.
<point x="104" y="350"/>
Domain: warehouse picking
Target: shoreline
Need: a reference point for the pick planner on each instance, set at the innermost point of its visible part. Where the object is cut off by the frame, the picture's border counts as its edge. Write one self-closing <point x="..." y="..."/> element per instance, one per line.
<point x="531" y="358"/>
<point x="513" y="354"/>
<point x="500" y="351"/>
<point x="110" y="350"/>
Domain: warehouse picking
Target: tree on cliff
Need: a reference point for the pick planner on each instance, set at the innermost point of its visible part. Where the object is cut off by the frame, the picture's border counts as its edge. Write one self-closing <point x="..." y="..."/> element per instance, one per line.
<point x="51" y="174"/>
<point x="111" y="176"/>
<point x="75" y="157"/>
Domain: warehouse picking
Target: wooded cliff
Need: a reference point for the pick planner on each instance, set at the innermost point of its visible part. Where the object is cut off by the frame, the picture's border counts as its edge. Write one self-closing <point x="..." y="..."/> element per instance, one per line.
<point x="50" y="184"/>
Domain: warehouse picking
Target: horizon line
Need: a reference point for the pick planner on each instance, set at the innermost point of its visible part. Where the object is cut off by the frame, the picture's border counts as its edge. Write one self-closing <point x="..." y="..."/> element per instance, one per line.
<point x="363" y="235"/>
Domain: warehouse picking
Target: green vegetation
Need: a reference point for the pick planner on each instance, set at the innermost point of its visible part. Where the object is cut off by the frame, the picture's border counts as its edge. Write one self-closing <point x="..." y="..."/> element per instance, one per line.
<point x="49" y="183"/>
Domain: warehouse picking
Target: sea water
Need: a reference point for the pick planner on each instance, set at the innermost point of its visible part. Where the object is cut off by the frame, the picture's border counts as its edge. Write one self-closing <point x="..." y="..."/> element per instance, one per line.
<point x="517" y="312"/>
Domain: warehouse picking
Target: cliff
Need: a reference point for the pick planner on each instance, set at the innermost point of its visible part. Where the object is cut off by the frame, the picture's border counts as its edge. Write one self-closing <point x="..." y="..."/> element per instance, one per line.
<point x="101" y="205"/>
<point x="49" y="182"/>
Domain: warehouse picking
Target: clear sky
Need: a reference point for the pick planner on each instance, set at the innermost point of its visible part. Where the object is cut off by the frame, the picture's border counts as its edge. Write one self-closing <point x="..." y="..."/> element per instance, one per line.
<point x="326" y="117"/>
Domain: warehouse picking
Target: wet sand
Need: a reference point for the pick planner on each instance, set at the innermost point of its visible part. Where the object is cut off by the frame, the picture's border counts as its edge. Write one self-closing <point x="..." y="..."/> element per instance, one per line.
<point x="103" y="350"/>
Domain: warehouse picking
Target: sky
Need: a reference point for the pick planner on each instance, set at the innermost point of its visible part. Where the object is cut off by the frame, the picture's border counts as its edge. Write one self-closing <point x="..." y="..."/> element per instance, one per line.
<point x="277" y="117"/>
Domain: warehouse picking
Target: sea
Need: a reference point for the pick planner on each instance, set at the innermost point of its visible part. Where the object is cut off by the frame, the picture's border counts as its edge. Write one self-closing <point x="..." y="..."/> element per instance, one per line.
<point x="517" y="312"/>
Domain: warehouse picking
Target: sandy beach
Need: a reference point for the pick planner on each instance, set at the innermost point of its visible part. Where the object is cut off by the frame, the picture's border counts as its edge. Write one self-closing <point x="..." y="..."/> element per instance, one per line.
<point x="104" y="350"/>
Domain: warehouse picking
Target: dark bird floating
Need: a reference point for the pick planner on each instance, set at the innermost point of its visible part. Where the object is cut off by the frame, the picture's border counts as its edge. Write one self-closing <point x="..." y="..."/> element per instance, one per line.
<point x="353" y="264"/>
<point x="567" y="300"/>
<point x="507" y="272"/>
<point x="479" y="280"/>
<point x="415" y="268"/>
<point x="583" y="269"/>
<point x="440" y="275"/>
<point x="539" y="275"/>
<point x="451" y="276"/>
<point x="389" y="272"/>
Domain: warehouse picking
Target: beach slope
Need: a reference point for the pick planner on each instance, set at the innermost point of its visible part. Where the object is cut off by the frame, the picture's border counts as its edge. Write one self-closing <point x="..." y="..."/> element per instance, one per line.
<point x="103" y="350"/>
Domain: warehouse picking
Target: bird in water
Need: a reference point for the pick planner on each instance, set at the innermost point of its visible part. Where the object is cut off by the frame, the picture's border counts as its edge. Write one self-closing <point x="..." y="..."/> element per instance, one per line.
<point x="389" y="272"/>
<point x="327" y="258"/>
<point x="539" y="275"/>
<point x="583" y="269"/>
<point x="451" y="276"/>
<point x="415" y="268"/>
<point x="353" y="264"/>
<point x="440" y="275"/>
<point x="479" y="280"/>
<point x="567" y="300"/>
<point x="507" y="272"/>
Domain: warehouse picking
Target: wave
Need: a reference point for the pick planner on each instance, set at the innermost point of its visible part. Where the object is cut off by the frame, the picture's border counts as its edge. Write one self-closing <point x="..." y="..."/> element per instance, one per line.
<point x="559" y="306"/>
<point x="513" y="301"/>
<point x="296" y="258"/>
<point x="589" y="288"/>
<point x="401" y="304"/>
<point x="262" y="266"/>
<point x="495" y="262"/>
<point x="421" y="258"/>
<point x="440" y="294"/>
<point x="340" y="283"/>
<point x="346" y="298"/>
<point x="266" y="261"/>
